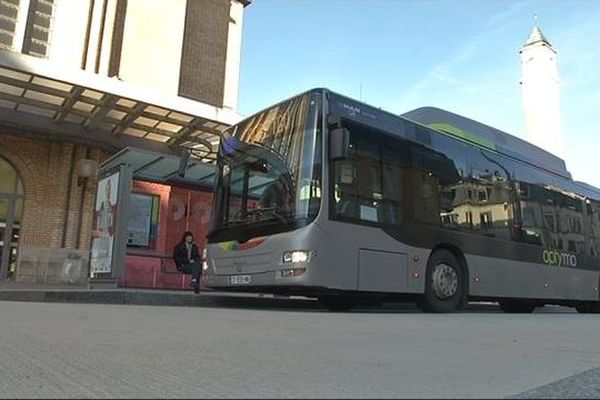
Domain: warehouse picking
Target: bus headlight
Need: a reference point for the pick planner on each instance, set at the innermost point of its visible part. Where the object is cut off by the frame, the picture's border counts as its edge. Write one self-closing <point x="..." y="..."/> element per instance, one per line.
<point x="296" y="256"/>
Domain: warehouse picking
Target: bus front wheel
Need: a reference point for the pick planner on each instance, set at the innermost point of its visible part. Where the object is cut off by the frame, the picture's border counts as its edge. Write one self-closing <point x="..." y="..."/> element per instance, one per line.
<point x="337" y="303"/>
<point x="444" y="283"/>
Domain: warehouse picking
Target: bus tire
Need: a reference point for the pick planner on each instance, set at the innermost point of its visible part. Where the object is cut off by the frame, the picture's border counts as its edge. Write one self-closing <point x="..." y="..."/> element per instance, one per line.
<point x="588" y="307"/>
<point x="444" y="283"/>
<point x="337" y="303"/>
<point x="517" y="307"/>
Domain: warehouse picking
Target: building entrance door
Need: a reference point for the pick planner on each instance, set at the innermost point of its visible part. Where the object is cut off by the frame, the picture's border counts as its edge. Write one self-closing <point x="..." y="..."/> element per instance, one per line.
<point x="11" y="210"/>
<point x="6" y="234"/>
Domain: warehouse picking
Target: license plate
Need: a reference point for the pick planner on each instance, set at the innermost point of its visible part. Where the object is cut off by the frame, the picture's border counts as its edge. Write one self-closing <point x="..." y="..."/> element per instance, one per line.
<point x="240" y="279"/>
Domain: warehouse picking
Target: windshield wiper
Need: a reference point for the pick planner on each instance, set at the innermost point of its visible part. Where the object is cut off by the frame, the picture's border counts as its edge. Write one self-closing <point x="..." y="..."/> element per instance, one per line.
<point x="255" y="215"/>
<point x="273" y="217"/>
<point x="272" y="211"/>
<point x="272" y="150"/>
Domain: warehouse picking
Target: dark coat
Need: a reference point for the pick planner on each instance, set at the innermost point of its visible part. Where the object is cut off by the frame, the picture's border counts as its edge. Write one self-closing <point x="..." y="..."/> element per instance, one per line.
<point x="180" y="254"/>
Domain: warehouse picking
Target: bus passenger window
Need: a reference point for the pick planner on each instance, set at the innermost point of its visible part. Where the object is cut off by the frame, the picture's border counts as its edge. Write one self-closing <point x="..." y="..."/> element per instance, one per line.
<point x="391" y="209"/>
<point x="347" y="173"/>
<point x="357" y="185"/>
<point x="345" y="190"/>
<point x="346" y="204"/>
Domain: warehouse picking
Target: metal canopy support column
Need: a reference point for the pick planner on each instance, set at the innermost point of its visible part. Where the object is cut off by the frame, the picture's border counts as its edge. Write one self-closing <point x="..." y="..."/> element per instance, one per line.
<point x="184" y="133"/>
<point x="137" y="111"/>
<point x="68" y="103"/>
<point x="103" y="107"/>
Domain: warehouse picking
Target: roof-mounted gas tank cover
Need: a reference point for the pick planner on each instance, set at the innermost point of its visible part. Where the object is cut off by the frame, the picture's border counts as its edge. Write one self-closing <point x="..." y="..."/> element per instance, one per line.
<point x="474" y="131"/>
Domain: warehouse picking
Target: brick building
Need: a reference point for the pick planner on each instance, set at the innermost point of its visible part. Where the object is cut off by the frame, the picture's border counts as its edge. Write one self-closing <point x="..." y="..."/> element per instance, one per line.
<point x="83" y="79"/>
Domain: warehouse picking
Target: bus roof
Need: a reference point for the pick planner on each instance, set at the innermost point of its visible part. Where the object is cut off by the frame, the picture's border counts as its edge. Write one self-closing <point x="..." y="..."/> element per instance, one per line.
<point x="462" y="128"/>
<point x="450" y="124"/>
<point x="480" y="133"/>
<point x="457" y="126"/>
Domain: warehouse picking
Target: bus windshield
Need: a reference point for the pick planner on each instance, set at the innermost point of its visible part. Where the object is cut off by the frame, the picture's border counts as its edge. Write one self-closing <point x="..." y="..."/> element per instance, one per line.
<point x="269" y="172"/>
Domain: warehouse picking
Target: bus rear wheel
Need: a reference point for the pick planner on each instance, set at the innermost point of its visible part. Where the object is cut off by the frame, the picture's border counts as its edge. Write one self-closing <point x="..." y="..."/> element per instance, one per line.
<point x="588" y="307"/>
<point x="443" y="284"/>
<point x="337" y="303"/>
<point x="516" y="307"/>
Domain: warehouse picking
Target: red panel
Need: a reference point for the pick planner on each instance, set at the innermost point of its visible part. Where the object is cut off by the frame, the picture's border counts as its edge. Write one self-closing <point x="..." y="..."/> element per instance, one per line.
<point x="141" y="272"/>
<point x="188" y="211"/>
<point x="200" y="216"/>
<point x="180" y="210"/>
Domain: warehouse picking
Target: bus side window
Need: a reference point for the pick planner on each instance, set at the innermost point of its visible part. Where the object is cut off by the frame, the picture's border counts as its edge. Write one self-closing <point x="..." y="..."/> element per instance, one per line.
<point x="345" y="191"/>
<point x="392" y="194"/>
<point x="489" y="194"/>
<point x="552" y="217"/>
<point x="347" y="205"/>
<point x="395" y="160"/>
<point x="593" y="224"/>
<point x="358" y="187"/>
<point x="450" y="165"/>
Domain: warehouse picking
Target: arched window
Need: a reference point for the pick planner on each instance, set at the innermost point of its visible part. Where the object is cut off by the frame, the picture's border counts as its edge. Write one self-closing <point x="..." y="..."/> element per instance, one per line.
<point x="10" y="182"/>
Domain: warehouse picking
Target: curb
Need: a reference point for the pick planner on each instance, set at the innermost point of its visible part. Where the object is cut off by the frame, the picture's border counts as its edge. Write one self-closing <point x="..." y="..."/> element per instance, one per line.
<point x="154" y="299"/>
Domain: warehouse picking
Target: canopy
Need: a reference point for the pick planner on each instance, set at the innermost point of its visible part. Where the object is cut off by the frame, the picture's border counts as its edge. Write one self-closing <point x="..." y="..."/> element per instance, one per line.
<point x="161" y="168"/>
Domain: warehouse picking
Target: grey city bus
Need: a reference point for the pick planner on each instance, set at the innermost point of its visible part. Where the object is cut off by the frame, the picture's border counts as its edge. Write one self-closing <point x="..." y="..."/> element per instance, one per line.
<point x="324" y="196"/>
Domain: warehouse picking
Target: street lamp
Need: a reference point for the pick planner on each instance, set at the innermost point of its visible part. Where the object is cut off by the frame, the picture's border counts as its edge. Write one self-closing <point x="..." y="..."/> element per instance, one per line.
<point x="87" y="169"/>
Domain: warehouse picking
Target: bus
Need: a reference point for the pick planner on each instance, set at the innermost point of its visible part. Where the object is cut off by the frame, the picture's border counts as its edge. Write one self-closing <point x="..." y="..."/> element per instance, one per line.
<point x="330" y="198"/>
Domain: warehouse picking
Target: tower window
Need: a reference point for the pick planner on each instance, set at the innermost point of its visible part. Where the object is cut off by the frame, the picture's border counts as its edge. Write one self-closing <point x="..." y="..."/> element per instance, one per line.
<point x="38" y="30"/>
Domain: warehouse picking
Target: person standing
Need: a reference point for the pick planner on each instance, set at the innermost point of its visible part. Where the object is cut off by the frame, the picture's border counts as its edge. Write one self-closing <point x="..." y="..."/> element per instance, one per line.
<point x="187" y="259"/>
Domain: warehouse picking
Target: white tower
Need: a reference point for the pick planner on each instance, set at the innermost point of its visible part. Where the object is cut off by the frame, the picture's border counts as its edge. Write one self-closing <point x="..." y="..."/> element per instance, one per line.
<point x="540" y="87"/>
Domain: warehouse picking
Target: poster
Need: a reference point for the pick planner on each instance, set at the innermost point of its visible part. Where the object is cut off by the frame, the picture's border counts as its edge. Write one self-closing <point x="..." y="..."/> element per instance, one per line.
<point x="140" y="220"/>
<point x="105" y="219"/>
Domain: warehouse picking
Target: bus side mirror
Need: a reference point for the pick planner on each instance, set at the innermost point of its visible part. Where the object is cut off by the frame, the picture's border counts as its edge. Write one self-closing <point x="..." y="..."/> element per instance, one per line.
<point x="339" y="143"/>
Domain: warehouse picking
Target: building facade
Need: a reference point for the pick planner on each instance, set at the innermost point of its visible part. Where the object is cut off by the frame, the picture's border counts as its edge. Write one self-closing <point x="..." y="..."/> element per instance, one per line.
<point x="179" y="47"/>
<point x="81" y="80"/>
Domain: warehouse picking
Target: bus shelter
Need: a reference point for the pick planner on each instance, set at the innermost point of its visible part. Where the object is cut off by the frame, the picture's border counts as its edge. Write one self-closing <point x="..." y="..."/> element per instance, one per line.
<point x="143" y="207"/>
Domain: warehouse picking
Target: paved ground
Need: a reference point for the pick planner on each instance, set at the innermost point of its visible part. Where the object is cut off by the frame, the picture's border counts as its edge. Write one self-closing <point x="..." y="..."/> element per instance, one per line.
<point x="95" y="350"/>
<point x="583" y="385"/>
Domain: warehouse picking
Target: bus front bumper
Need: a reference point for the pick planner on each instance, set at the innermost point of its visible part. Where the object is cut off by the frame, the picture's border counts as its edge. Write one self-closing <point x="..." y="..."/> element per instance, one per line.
<point x="280" y="277"/>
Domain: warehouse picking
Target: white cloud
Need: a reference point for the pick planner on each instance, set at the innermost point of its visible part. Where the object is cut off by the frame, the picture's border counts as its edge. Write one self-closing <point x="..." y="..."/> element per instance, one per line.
<point x="458" y="82"/>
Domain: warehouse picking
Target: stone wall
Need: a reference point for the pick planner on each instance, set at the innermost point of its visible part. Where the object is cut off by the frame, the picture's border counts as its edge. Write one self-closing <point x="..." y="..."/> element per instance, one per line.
<point x="38" y="264"/>
<point x="57" y="212"/>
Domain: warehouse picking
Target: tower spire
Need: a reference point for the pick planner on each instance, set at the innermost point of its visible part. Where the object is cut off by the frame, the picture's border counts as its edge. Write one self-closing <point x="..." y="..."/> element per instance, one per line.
<point x="536" y="34"/>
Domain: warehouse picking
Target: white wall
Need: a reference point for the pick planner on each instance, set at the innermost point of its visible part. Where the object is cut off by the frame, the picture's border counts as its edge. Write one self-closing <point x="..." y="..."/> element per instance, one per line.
<point x="234" y="48"/>
<point x="152" y="43"/>
<point x="68" y="32"/>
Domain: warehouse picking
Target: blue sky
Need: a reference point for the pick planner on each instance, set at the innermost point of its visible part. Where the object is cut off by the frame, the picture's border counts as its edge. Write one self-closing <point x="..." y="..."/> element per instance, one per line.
<point x="459" y="55"/>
